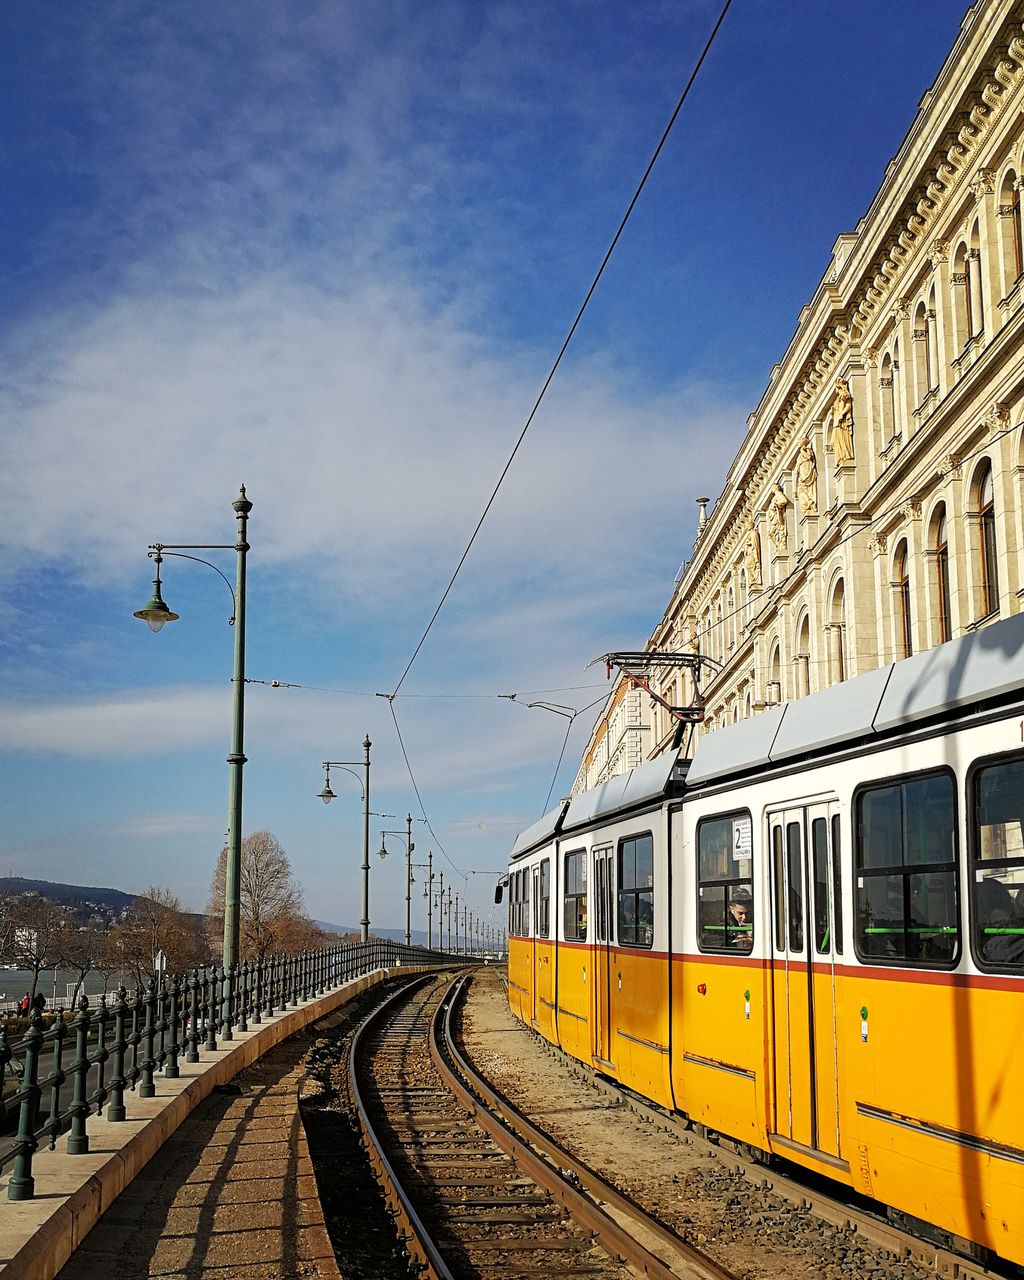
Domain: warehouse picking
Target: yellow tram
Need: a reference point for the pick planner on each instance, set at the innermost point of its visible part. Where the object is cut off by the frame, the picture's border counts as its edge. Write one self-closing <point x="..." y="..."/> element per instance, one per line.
<point x="811" y="936"/>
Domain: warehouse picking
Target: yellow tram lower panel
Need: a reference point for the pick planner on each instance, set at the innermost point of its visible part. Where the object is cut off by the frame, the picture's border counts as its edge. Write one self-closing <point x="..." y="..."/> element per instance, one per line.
<point x="913" y="1074"/>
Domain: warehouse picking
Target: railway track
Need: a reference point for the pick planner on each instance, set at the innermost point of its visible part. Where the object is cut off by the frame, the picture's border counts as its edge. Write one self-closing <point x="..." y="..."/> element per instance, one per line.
<point x="476" y="1190"/>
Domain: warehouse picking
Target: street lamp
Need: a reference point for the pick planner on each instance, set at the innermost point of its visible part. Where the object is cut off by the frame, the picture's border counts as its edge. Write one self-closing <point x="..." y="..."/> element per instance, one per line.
<point x="327" y="795"/>
<point x="155" y="614"/>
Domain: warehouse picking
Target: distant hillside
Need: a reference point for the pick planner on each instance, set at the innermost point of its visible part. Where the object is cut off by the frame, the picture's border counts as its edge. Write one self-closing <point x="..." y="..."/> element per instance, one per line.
<point x="73" y="895"/>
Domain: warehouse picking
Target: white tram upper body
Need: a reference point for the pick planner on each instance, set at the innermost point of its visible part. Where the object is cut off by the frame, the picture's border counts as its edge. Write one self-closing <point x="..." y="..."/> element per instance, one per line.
<point x="811" y="938"/>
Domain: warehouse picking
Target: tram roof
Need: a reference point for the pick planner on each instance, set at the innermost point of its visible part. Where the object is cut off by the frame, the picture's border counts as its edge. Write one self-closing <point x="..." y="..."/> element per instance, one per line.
<point x="540" y="831"/>
<point x="975" y="668"/>
<point x="648" y="781"/>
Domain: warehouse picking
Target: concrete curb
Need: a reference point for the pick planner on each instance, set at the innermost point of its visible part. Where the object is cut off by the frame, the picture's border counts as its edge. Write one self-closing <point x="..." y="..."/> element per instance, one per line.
<point x="73" y="1192"/>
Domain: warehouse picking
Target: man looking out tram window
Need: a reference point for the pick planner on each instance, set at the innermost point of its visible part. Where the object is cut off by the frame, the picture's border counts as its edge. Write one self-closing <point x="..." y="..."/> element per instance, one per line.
<point x="741" y="916"/>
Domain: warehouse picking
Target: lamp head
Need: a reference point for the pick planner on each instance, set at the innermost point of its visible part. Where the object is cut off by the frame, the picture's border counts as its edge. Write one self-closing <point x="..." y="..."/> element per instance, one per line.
<point x="154" y="612"/>
<point x="327" y="795"/>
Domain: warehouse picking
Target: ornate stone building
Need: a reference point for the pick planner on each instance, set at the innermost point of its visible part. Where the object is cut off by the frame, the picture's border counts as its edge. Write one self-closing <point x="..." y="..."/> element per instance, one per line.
<point x="875" y="506"/>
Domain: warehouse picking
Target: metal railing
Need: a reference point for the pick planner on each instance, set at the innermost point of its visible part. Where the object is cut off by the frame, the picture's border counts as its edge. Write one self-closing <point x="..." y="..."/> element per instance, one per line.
<point x="126" y="1042"/>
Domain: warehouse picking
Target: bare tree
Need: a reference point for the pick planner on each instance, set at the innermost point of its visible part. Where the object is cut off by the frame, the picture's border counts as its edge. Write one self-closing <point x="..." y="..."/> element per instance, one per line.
<point x="38" y="935"/>
<point x="155" y="923"/>
<point x="270" y="902"/>
<point x="84" y="947"/>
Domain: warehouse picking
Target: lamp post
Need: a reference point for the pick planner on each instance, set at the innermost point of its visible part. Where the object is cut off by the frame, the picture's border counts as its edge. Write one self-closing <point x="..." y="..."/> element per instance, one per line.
<point x="409" y="846"/>
<point x="428" y="889"/>
<point x="440" y="913"/>
<point x="156" y="613"/>
<point x="327" y="795"/>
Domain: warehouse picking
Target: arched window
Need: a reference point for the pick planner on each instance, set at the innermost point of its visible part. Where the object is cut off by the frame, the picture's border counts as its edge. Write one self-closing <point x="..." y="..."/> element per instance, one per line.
<point x="719" y="634"/>
<point x="888" y="400"/>
<point x="943" y="599"/>
<point x="961" y="280"/>
<point x="774" y="689"/>
<point x="732" y="620"/>
<point x="988" y="565"/>
<point x="803" y="658"/>
<point x="1011" y="245"/>
<point x="901" y="589"/>
<point x="975" y="294"/>
<point x="924" y="354"/>
<point x="837" y="634"/>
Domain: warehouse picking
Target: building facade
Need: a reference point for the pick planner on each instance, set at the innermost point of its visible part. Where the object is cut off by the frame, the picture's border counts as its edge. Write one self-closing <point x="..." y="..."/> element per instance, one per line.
<point x="875" y="506"/>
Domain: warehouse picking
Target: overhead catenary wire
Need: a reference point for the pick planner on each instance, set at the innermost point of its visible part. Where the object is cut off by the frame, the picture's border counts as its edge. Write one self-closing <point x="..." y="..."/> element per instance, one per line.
<point x="564" y="347"/>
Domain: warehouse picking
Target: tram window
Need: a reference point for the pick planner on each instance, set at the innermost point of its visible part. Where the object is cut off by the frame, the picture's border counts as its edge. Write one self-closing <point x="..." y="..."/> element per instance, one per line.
<point x="779" y="881"/>
<point x="725" y="883"/>
<point x="837" y="888"/>
<point x="636" y="891"/>
<point x="544" y="900"/>
<point x="997" y="880"/>
<point x="575" y="901"/>
<point x="819" y="856"/>
<point x="796" y="887"/>
<point x="906" y="901"/>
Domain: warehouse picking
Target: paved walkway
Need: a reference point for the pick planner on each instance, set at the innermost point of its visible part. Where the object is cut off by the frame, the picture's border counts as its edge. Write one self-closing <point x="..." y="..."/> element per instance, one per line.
<point x="231" y="1193"/>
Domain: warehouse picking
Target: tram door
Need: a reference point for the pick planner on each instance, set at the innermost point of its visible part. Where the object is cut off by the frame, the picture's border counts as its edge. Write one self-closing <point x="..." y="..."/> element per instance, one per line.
<point x="604" y="975"/>
<point x="806" y="937"/>
<point x="534" y="950"/>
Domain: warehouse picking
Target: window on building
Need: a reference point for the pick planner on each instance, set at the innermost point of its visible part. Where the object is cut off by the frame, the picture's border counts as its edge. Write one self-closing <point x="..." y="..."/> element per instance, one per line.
<point x="989" y="569"/>
<point x="997" y="865"/>
<point x="906" y="858"/>
<point x="1010" y="231"/>
<point x="725" y="884"/>
<point x="575" y="900"/>
<point x="901" y="585"/>
<point x="636" y="891"/>
<point x="942" y="593"/>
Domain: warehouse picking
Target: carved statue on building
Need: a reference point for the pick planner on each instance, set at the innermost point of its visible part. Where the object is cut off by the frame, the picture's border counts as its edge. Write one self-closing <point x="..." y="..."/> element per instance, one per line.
<point x="807" y="479"/>
<point x="752" y="557"/>
<point x="776" y="512"/>
<point x="841" y="437"/>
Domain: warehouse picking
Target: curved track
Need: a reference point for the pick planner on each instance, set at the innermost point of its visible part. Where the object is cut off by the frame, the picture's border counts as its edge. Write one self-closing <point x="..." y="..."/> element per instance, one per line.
<point x="489" y="1196"/>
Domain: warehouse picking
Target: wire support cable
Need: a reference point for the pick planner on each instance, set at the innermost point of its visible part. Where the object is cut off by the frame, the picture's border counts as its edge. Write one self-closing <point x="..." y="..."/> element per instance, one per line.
<point x="415" y="787"/>
<point x="569" y="337"/>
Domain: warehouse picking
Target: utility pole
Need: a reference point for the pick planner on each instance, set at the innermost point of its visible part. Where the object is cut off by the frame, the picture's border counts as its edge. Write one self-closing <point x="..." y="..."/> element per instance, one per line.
<point x="430" y="898"/>
<point x="409" y="846"/>
<point x="440" y="915"/>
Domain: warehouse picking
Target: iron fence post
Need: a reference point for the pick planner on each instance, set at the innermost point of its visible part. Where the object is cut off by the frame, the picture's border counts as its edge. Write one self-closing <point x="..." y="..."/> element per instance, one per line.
<point x="116" y="1111"/>
<point x="78" y="1139"/>
<point x="212" y="1004"/>
<point x="147" y="1089"/>
<point x="171" y="1069"/>
<point x="22" y="1185"/>
<point x="192" y="1037"/>
<point x="57" y="1078"/>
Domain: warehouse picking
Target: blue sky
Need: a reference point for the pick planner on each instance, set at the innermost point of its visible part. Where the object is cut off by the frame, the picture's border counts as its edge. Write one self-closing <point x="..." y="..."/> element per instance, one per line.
<point x="329" y="251"/>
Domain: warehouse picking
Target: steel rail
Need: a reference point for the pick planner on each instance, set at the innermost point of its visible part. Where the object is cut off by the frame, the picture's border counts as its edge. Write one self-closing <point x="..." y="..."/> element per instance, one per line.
<point x="514" y="1134"/>
<point x="417" y="1238"/>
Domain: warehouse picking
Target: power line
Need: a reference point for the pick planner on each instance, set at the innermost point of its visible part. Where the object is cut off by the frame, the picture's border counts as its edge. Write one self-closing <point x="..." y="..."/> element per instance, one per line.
<point x="569" y="336"/>
<point x="415" y="787"/>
